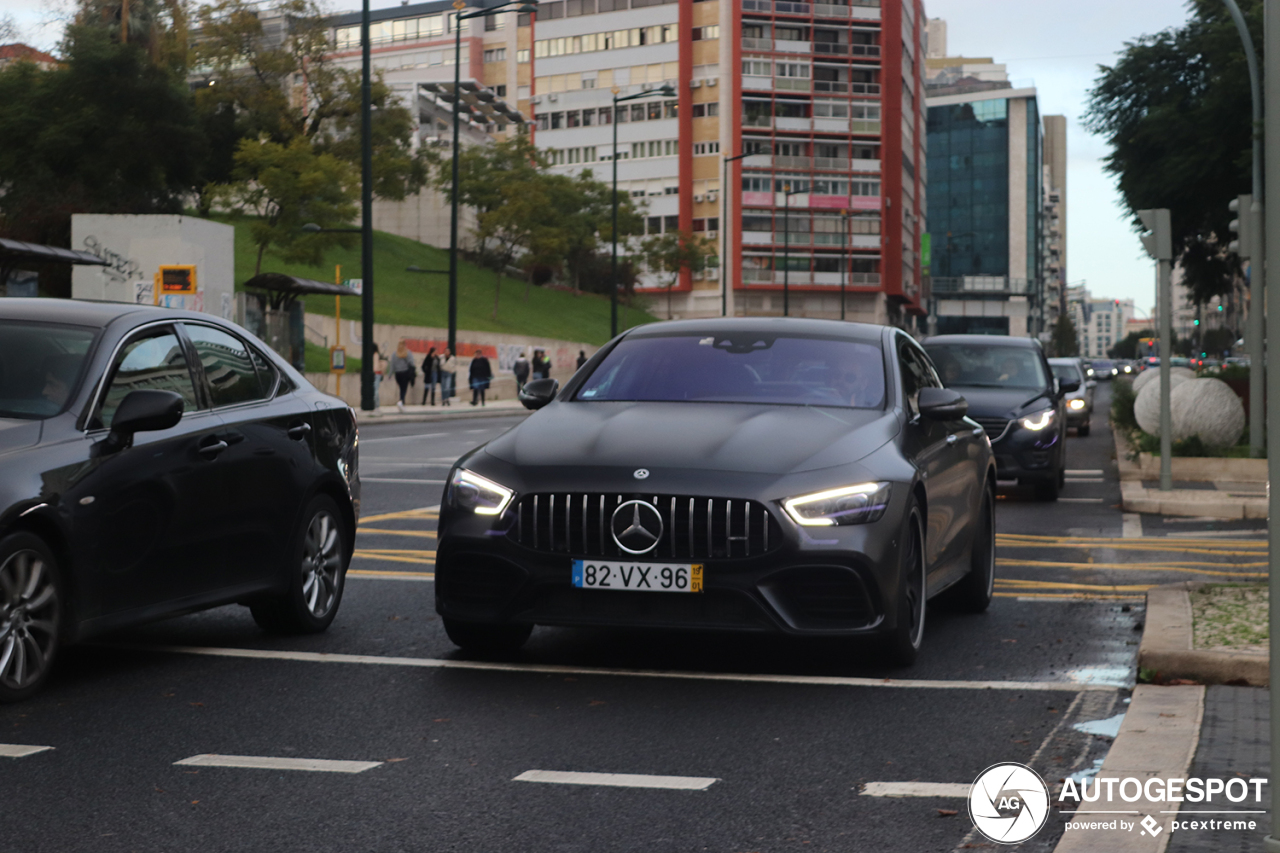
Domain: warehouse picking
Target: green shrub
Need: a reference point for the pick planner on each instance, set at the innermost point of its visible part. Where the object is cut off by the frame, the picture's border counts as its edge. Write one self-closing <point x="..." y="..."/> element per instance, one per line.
<point x="1122" y="398"/>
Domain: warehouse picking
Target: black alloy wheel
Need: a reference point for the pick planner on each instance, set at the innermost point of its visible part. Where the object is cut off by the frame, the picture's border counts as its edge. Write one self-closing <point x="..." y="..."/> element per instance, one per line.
<point x="317" y="574"/>
<point x="974" y="591"/>
<point x="902" y="642"/>
<point x="31" y="603"/>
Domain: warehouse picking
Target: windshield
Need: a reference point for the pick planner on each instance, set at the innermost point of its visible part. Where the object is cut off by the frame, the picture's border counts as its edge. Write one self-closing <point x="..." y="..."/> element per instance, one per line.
<point x="40" y="367"/>
<point x="978" y="366"/>
<point x="1066" y="372"/>
<point x="747" y="368"/>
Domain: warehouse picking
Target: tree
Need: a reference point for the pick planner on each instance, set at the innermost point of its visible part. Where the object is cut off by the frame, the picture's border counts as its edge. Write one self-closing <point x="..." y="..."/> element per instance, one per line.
<point x="9" y="30"/>
<point x="1175" y="109"/>
<point x="1063" y="342"/>
<point x="1127" y="347"/>
<point x="673" y="252"/>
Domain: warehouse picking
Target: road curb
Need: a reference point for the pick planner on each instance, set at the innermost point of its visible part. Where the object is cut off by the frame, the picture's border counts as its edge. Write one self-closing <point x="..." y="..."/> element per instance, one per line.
<point x="1134" y="497"/>
<point x="364" y="418"/>
<point x="1168" y="645"/>
<point x="1158" y="738"/>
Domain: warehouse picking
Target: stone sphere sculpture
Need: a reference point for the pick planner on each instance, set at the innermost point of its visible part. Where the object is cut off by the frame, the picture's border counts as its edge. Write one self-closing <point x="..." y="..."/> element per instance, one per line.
<point x="1146" y="408"/>
<point x="1152" y="374"/>
<point x="1207" y="408"/>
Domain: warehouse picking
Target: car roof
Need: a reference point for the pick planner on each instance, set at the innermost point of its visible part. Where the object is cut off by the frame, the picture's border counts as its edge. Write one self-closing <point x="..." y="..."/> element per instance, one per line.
<point x="983" y="340"/>
<point x="80" y="312"/>
<point x="865" y="332"/>
<point x="1066" y="359"/>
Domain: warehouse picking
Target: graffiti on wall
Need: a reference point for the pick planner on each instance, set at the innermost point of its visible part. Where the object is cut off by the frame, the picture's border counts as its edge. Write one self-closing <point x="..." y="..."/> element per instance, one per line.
<point x="119" y="269"/>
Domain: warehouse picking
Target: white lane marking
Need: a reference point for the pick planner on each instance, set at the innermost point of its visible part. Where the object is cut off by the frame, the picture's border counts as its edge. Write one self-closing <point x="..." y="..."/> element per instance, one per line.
<point x="1085" y="472"/>
<point x="1071" y="479"/>
<point x="618" y="780"/>
<point x="1196" y="534"/>
<point x="265" y="762"/>
<point x="398" y="480"/>
<point x="915" y="789"/>
<point x="1189" y="519"/>
<point x="402" y="437"/>
<point x="1081" y="500"/>
<point x="20" y="750"/>
<point x="557" y="669"/>
<point x="420" y="577"/>
<point x="1132" y="526"/>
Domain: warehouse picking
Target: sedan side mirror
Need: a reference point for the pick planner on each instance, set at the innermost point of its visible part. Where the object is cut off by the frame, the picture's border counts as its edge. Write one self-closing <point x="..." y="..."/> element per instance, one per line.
<point x="539" y="392"/>
<point x="144" y="411"/>
<point x="1067" y="386"/>
<point x="942" y="404"/>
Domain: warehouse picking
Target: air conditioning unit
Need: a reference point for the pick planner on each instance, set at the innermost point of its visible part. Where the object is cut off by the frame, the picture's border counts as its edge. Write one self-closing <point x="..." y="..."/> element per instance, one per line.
<point x="553" y="98"/>
<point x="536" y="101"/>
<point x="712" y="195"/>
<point x="698" y="197"/>
<point x="713" y="274"/>
<point x="711" y="235"/>
<point x="711" y="81"/>
<point x="695" y="84"/>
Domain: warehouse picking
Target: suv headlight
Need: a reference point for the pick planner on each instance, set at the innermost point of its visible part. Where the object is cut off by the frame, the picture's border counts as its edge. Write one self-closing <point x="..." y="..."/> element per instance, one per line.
<point x="1075" y="404"/>
<point x="859" y="504"/>
<point x="468" y="490"/>
<point x="1038" y="421"/>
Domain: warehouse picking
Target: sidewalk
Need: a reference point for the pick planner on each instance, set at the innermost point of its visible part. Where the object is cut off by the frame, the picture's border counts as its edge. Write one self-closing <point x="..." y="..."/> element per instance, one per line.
<point x="458" y="410"/>
<point x="1218" y="488"/>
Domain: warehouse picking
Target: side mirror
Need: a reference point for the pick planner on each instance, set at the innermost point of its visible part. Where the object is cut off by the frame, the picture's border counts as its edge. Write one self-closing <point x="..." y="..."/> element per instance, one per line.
<point x="1092" y="383"/>
<point x="1066" y="387"/>
<point x="144" y="411"/>
<point x="942" y="404"/>
<point x="539" y="392"/>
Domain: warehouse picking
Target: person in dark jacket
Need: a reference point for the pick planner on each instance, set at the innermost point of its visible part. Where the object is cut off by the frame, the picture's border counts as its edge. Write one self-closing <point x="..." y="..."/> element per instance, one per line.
<point x="480" y="374"/>
<point x="521" y="370"/>
<point x="430" y="375"/>
<point x="541" y="365"/>
<point x="582" y="359"/>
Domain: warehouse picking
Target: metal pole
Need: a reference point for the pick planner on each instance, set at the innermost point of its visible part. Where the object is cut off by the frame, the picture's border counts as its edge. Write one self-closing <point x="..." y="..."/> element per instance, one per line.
<point x="786" y="253"/>
<point x="1258" y="252"/>
<point x="453" y="215"/>
<point x="724" y="241"/>
<point x="848" y="259"/>
<point x="1271" y="58"/>
<point x="1166" y="377"/>
<point x="367" y="401"/>
<point x="613" y="278"/>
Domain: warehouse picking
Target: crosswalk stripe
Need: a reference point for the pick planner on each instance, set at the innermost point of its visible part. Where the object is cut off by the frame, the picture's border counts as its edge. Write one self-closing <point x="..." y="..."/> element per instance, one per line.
<point x="618" y="780"/>
<point x="20" y="750"/>
<point x="264" y="762"/>
<point x="915" y="789"/>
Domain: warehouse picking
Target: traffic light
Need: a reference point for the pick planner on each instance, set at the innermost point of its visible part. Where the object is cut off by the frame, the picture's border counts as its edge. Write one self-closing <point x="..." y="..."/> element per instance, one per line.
<point x="1219" y="307"/>
<point x="1158" y="238"/>
<point x="1195" y="322"/>
<point x="1242" y="207"/>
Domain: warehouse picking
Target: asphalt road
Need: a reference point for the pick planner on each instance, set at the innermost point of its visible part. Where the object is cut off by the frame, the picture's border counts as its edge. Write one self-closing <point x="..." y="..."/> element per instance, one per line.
<point x="791" y="732"/>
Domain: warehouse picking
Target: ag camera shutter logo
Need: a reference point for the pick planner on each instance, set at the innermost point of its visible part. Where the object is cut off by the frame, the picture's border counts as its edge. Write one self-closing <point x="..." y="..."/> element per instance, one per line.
<point x="1008" y="803"/>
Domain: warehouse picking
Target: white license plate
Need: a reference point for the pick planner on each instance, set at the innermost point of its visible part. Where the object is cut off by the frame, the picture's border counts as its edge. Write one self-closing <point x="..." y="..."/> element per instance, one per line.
<point x="637" y="577"/>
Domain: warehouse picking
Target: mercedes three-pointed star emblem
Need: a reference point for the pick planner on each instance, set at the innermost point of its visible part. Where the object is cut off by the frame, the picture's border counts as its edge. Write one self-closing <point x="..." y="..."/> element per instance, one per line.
<point x="636" y="527"/>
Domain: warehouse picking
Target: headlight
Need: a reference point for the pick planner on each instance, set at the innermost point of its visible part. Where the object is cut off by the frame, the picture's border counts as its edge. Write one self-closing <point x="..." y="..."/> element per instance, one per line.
<point x="1038" y="421"/>
<point x="468" y="490"/>
<point x="1075" y="404"/>
<point x="859" y="504"/>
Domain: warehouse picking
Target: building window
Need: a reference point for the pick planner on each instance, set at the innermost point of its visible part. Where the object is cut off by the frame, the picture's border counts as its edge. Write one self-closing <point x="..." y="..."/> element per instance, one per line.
<point x="522" y="57"/>
<point x="670" y="109"/>
<point x="637" y="150"/>
<point x="757" y="67"/>
<point x="706" y="110"/>
<point x="704" y="33"/>
<point x="573" y="118"/>
<point x="700" y="148"/>
<point x="498" y="55"/>
<point x="557" y="121"/>
<point x="500" y="91"/>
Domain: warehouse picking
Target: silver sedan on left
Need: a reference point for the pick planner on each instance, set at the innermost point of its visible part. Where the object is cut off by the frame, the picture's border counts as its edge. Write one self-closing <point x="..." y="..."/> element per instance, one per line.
<point x="1080" y="401"/>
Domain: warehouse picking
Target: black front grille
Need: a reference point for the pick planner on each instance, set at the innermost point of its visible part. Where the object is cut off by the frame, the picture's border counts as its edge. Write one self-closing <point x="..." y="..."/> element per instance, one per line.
<point x="995" y="427"/>
<point x="693" y="528"/>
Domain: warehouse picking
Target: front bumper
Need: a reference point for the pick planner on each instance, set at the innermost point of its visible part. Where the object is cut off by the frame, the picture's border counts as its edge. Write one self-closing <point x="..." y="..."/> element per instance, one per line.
<point x="821" y="581"/>
<point x="1023" y="454"/>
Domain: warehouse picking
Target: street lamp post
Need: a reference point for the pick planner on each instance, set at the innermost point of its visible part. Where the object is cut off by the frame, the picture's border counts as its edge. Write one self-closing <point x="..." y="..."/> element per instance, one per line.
<point x="458" y="18"/>
<point x="848" y="260"/>
<point x="787" y="193"/>
<point x="667" y="92"/>
<point x="724" y="233"/>
<point x="367" y="400"/>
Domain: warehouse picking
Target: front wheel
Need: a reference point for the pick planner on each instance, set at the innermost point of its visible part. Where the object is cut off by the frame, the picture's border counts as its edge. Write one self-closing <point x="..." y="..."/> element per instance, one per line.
<point x="974" y="591"/>
<point x="31" y="604"/>
<point x="902" y="642"/>
<point x="317" y="574"/>
<point x="1048" y="488"/>
<point x="1083" y="429"/>
<point x="486" y="638"/>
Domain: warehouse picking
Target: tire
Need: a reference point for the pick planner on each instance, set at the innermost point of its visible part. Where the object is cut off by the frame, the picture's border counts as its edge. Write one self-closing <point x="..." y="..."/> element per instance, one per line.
<point x="974" y="591"/>
<point x="485" y="638"/>
<point x="1049" y="488"/>
<point x="1083" y="429"/>
<point x="317" y="573"/>
<point x="901" y="644"/>
<point x="31" y="610"/>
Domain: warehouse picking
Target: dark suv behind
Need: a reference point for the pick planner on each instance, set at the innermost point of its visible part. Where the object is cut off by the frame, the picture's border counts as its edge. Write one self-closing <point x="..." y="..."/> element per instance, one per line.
<point x="1013" y="394"/>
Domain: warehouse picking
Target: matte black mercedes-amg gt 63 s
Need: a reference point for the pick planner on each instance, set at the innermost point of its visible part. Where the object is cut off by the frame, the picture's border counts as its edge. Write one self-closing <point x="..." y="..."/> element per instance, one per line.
<point x="796" y="476"/>
<point x="157" y="462"/>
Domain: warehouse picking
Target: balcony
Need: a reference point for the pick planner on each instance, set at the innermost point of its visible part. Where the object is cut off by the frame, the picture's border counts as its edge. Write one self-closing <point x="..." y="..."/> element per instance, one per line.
<point x="802" y="278"/>
<point x="867" y="10"/>
<point x="780" y="45"/>
<point x="839" y="88"/>
<point x="981" y="285"/>
<point x="869" y="50"/>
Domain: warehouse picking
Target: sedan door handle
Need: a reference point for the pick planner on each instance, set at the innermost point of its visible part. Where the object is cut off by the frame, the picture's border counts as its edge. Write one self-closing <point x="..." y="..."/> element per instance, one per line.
<point x="211" y="450"/>
<point x="299" y="431"/>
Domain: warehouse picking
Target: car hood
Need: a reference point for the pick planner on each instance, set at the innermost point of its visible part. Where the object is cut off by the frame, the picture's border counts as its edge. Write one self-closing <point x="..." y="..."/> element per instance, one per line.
<point x="708" y="436"/>
<point x="999" y="402"/>
<point x="17" y="433"/>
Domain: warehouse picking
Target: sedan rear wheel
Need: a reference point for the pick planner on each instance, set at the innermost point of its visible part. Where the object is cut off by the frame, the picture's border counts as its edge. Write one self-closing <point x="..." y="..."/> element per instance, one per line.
<point x="902" y="642"/>
<point x="31" y="605"/>
<point x="317" y="574"/>
<point x="974" y="591"/>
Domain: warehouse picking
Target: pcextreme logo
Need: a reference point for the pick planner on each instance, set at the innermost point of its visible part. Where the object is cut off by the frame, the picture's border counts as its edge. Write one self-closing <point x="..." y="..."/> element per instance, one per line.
<point x="1008" y="803"/>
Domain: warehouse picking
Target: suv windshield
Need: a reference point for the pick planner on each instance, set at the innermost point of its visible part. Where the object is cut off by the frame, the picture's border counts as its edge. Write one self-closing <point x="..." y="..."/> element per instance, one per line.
<point x="40" y="367"/>
<point x="977" y="366"/>
<point x="745" y="368"/>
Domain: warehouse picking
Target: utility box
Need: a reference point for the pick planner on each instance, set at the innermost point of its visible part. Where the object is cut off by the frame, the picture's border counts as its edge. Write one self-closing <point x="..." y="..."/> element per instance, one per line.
<point x="156" y="259"/>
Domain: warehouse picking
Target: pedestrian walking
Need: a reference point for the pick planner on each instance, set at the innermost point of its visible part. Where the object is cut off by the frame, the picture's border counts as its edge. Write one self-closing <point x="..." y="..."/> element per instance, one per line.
<point x="582" y="359"/>
<point x="521" y="370"/>
<point x="430" y="375"/>
<point x="379" y="368"/>
<point x="404" y="369"/>
<point x="479" y="376"/>
<point x="541" y="365"/>
<point x="448" y="376"/>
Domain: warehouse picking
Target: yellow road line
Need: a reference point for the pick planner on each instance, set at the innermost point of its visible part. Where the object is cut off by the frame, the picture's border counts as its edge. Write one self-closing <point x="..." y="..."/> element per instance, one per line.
<point x="397" y="556"/>
<point x="1068" y="596"/>
<point x="1147" y="548"/>
<point x="1030" y="584"/>
<point x="408" y="513"/>
<point x="423" y="534"/>
<point x="1080" y="567"/>
<point x="389" y="574"/>
<point x="1028" y="539"/>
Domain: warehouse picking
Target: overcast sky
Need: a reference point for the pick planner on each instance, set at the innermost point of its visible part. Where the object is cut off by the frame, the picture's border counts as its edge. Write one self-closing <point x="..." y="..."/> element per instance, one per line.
<point x="1054" y="44"/>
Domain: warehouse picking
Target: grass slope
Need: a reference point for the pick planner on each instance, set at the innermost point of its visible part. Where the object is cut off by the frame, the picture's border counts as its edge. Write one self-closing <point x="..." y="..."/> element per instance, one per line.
<point x="418" y="299"/>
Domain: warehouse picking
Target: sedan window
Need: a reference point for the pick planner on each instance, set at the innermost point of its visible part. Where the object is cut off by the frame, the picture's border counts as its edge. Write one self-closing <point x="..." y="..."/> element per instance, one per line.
<point x="227" y="365"/>
<point x="152" y="360"/>
<point x="40" y="367"/>
<point x="753" y="368"/>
